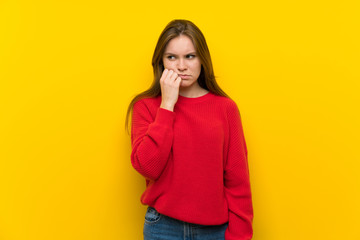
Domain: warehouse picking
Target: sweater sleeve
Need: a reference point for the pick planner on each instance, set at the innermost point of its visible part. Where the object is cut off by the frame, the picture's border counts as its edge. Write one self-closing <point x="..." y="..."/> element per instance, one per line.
<point x="151" y="139"/>
<point x="237" y="182"/>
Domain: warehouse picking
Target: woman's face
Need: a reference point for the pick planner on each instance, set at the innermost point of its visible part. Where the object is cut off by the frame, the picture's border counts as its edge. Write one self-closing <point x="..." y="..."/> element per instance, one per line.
<point x="181" y="57"/>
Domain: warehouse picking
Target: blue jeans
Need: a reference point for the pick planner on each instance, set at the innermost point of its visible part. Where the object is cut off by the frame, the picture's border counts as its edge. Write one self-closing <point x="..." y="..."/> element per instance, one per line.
<point x="160" y="227"/>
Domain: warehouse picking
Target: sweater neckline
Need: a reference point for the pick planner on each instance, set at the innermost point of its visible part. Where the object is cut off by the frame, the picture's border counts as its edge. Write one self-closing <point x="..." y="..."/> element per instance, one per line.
<point x="182" y="99"/>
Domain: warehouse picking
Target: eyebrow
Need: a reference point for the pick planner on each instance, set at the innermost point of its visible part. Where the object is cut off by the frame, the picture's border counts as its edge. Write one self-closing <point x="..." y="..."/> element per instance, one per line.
<point x="168" y="53"/>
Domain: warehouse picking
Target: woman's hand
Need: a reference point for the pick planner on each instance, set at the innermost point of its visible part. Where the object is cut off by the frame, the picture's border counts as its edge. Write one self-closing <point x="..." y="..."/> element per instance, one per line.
<point x="170" y="83"/>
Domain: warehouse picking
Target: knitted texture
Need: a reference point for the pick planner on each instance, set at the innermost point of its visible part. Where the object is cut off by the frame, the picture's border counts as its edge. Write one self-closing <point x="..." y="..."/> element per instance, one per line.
<point x="194" y="161"/>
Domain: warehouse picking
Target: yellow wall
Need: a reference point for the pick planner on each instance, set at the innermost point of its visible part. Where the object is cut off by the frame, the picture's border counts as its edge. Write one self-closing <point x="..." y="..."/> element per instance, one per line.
<point x="68" y="70"/>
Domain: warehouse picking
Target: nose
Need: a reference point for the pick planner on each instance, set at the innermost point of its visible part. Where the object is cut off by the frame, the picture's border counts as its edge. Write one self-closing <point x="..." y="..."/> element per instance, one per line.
<point x="181" y="65"/>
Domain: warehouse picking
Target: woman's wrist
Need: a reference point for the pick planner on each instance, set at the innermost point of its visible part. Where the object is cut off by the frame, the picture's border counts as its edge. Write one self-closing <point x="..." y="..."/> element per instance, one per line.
<point x="167" y="106"/>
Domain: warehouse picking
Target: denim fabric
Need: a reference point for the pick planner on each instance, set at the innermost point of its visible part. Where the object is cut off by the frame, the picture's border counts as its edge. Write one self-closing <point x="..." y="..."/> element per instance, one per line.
<point x="160" y="227"/>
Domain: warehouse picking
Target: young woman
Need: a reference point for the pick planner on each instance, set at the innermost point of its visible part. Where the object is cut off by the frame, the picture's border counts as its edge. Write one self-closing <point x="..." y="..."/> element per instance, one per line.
<point x="188" y="143"/>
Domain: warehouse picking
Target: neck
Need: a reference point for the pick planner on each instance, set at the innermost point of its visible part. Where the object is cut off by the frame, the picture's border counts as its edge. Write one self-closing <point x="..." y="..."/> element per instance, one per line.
<point x="196" y="91"/>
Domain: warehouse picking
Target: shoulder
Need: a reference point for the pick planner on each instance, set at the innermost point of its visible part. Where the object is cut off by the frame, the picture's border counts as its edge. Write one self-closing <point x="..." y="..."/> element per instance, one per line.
<point x="228" y="104"/>
<point x="147" y="103"/>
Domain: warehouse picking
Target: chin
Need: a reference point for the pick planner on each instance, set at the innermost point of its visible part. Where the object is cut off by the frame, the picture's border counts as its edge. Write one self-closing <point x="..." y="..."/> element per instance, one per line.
<point x="185" y="84"/>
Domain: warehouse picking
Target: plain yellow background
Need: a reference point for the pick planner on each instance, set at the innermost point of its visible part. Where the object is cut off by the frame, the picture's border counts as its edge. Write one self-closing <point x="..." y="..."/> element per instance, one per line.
<point x="68" y="70"/>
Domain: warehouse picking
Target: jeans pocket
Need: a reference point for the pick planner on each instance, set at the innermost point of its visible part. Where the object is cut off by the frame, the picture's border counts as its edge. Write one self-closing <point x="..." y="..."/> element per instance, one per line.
<point x="152" y="216"/>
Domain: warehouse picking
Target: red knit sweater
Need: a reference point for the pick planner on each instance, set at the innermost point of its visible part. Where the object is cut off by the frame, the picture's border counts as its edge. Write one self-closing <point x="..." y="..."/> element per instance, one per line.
<point x="194" y="160"/>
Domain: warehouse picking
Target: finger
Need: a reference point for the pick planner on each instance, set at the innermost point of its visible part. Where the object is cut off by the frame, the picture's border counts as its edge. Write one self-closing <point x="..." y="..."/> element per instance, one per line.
<point x="173" y="77"/>
<point x="164" y="74"/>
<point x="178" y="81"/>
<point x="170" y="73"/>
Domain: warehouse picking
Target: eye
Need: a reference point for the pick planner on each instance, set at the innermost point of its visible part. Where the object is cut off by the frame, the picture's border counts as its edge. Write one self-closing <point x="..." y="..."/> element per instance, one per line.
<point x="191" y="56"/>
<point x="169" y="57"/>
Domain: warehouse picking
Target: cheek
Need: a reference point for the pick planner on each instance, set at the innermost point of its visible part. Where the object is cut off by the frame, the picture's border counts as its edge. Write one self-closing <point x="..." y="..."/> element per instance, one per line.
<point x="168" y="64"/>
<point x="197" y="67"/>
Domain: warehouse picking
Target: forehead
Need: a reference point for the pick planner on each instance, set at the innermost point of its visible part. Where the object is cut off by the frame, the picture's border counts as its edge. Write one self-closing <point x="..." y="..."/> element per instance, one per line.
<point x="180" y="44"/>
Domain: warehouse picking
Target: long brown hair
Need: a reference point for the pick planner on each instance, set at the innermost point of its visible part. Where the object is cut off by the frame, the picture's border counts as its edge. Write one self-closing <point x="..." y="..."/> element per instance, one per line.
<point x="206" y="78"/>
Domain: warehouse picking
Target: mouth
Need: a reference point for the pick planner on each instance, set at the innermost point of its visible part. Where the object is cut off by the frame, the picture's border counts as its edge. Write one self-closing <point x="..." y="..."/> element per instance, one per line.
<point x="184" y="76"/>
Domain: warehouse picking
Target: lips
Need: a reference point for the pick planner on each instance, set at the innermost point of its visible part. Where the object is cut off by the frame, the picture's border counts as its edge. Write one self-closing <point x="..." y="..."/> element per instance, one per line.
<point x="184" y="76"/>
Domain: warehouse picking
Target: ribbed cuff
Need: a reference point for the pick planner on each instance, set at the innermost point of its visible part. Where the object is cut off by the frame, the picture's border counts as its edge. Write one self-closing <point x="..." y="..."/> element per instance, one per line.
<point x="165" y="116"/>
